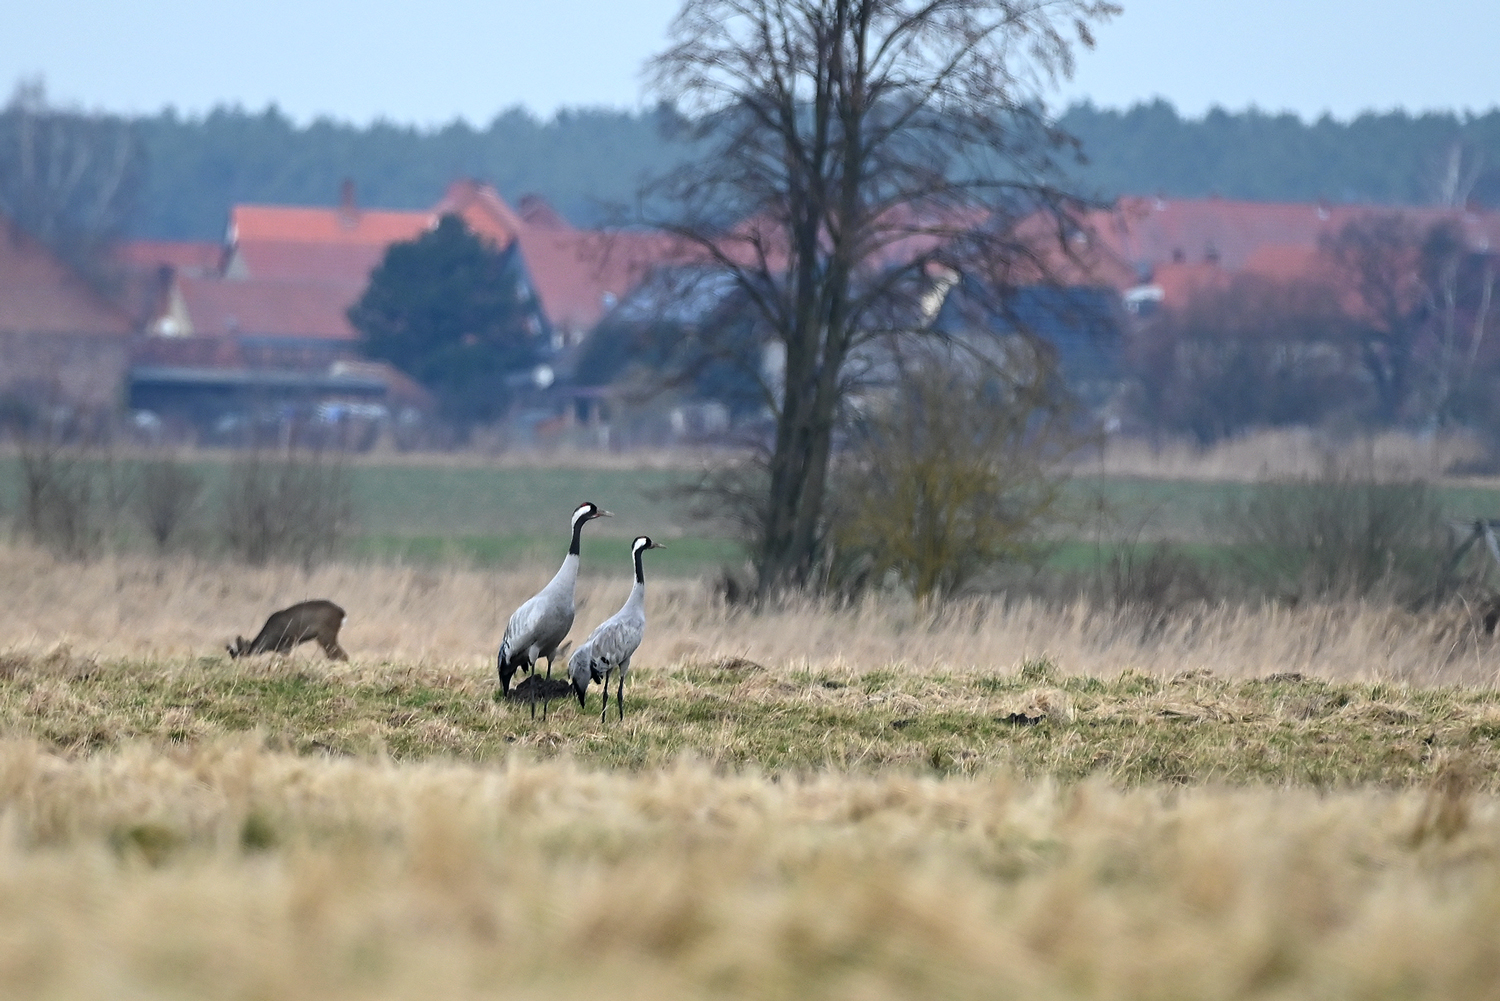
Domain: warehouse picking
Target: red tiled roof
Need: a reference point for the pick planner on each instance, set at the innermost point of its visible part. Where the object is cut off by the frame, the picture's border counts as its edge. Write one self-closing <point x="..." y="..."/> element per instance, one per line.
<point x="535" y="211"/>
<point x="195" y="257"/>
<point x="1180" y="282"/>
<point x="576" y="272"/>
<point x="482" y="210"/>
<point x="372" y="227"/>
<point x="295" y="260"/>
<point x="219" y="307"/>
<point x="39" y="294"/>
<point x="1154" y="231"/>
<point x="293" y="271"/>
<point x="579" y="275"/>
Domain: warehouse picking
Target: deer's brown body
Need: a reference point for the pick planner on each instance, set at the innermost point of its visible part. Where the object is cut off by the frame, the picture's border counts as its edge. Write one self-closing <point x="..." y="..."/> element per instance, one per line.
<point x="307" y="620"/>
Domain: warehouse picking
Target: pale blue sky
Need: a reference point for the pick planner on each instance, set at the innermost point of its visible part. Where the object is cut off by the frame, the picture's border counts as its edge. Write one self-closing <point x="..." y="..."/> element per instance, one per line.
<point x="428" y="63"/>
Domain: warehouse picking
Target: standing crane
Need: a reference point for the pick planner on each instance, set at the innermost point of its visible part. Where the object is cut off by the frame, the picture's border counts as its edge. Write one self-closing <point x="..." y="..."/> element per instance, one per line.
<point x="610" y="646"/>
<point x="540" y="625"/>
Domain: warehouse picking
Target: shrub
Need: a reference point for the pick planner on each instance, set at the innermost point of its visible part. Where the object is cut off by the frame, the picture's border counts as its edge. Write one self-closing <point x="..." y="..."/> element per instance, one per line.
<point x="167" y="494"/>
<point x="68" y="497"/>
<point x="1342" y="535"/>
<point x="1158" y="579"/>
<point x="292" y="506"/>
<point x="953" y="472"/>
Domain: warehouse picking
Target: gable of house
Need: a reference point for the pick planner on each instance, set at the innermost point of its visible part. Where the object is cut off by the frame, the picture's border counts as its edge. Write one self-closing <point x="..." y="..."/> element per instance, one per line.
<point x="578" y="275"/>
<point x="41" y="295"/>
<point x="61" y="342"/>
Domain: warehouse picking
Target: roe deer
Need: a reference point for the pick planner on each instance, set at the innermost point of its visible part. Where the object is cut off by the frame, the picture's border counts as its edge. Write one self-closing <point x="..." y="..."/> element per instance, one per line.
<point x="306" y="620"/>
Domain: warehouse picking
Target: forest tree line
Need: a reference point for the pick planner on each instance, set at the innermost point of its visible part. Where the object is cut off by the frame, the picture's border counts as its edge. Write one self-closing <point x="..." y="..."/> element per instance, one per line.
<point x="588" y="161"/>
<point x="591" y="162"/>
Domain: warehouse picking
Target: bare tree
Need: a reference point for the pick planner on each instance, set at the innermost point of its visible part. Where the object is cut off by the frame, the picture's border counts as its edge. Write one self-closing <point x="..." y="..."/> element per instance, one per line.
<point x="851" y="145"/>
<point x="1459" y="291"/>
<point x="68" y="178"/>
<point x="1254" y="352"/>
<point x="1419" y="312"/>
<point x="1456" y="176"/>
<point x="1378" y="257"/>
<point x="286" y="506"/>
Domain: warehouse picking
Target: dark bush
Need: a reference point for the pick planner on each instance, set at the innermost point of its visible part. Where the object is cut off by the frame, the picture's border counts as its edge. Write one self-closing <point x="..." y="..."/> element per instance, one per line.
<point x="1342" y="535"/>
<point x="167" y="495"/>
<point x="287" y="506"/>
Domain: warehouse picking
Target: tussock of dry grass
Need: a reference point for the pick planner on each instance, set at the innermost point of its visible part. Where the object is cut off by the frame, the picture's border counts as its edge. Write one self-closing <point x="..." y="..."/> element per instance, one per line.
<point x="733" y="714"/>
<point x="138" y="607"/>
<point x="878" y="802"/>
<point x="229" y="871"/>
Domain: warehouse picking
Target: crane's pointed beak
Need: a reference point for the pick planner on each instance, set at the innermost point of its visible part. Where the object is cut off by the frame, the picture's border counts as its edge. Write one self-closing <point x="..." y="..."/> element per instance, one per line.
<point x="604" y="514"/>
<point x="580" y="691"/>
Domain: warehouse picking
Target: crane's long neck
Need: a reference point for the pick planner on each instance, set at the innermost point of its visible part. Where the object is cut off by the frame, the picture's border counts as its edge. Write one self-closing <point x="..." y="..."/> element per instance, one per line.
<point x="567" y="574"/>
<point x="637" y="597"/>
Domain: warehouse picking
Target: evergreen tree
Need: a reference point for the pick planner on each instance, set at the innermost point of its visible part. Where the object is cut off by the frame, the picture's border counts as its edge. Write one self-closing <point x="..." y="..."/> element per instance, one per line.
<point x="455" y="314"/>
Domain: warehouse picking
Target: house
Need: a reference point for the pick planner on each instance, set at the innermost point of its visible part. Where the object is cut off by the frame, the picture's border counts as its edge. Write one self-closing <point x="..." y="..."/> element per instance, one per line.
<point x="269" y="322"/>
<point x="578" y="275"/>
<point x="1159" y="250"/>
<point x="63" y="345"/>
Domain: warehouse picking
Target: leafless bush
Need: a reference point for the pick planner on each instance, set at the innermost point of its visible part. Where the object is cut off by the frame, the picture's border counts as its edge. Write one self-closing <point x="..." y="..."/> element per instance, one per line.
<point x="168" y="492"/>
<point x="1158" y="579"/>
<point x="1342" y="534"/>
<point x="290" y="506"/>
<point x="69" y="496"/>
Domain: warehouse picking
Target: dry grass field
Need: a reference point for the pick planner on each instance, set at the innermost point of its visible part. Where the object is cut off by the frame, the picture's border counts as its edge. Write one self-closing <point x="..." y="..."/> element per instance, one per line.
<point x="225" y="870"/>
<point x="882" y="801"/>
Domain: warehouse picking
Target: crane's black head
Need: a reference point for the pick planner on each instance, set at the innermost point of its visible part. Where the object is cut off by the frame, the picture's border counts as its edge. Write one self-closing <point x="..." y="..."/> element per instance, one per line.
<point x="582" y="515"/>
<point x="588" y="511"/>
<point x="639" y="546"/>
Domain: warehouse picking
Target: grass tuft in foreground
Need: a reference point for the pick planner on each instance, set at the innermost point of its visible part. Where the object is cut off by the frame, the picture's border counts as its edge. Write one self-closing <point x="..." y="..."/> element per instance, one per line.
<point x="1032" y="721"/>
<point x="223" y="869"/>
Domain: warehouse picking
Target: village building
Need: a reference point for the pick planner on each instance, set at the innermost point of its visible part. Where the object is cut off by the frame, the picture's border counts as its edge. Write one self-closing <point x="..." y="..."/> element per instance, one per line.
<point x="265" y="326"/>
<point x="207" y="334"/>
<point x="64" y="346"/>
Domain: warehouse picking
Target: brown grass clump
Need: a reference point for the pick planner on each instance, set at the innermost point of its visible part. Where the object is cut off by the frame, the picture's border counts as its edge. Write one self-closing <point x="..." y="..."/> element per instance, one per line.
<point x="142" y="607"/>
<point x="883" y="801"/>
<point x="230" y="871"/>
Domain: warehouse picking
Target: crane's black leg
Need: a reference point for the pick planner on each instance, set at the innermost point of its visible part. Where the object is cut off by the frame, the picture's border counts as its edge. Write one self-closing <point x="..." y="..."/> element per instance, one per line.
<point x="620" y="697"/>
<point x="604" y="713"/>
<point x="547" y="691"/>
<point x="531" y="698"/>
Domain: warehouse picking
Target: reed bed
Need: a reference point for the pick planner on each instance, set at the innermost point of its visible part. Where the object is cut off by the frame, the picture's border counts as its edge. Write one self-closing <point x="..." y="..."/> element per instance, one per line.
<point x="141" y="607"/>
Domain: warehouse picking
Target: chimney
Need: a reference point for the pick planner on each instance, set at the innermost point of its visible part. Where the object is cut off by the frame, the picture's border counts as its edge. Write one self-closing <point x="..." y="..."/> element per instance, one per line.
<point x="348" y="208"/>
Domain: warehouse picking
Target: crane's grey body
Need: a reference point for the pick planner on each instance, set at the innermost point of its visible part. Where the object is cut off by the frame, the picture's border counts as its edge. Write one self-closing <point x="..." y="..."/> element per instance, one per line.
<point x="540" y="625"/>
<point x="614" y="641"/>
